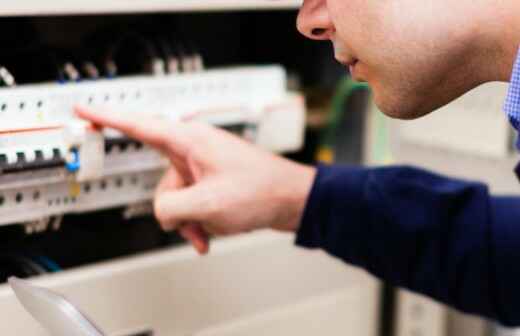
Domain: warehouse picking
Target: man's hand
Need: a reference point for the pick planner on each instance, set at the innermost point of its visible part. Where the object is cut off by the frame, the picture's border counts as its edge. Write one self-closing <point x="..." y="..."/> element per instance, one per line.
<point x="218" y="183"/>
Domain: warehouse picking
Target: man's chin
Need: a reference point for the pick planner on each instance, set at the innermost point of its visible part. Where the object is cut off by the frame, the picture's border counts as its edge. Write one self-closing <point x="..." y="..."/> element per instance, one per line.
<point x="400" y="108"/>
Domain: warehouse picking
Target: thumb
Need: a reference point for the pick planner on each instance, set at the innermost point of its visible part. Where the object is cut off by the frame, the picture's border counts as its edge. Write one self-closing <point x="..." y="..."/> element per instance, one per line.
<point x="175" y="207"/>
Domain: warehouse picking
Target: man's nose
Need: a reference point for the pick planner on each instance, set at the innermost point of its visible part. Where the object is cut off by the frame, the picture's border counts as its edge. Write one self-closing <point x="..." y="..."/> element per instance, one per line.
<point x="314" y="20"/>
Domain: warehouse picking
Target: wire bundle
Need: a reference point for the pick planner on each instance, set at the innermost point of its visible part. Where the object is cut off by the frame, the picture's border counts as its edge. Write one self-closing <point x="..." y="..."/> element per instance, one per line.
<point x="104" y="54"/>
<point x="23" y="266"/>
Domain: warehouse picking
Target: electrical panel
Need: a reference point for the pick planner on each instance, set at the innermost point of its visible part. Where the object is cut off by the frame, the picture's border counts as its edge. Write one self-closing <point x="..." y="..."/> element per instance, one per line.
<point x="75" y="201"/>
<point x="53" y="163"/>
<point x="58" y="172"/>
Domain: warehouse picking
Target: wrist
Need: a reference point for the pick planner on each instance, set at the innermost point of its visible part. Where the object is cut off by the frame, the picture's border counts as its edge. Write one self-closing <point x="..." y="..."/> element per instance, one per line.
<point x="297" y="188"/>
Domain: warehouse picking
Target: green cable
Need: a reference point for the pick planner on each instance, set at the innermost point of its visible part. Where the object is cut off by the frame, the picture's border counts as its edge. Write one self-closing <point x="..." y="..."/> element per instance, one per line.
<point x="343" y="93"/>
<point x="381" y="150"/>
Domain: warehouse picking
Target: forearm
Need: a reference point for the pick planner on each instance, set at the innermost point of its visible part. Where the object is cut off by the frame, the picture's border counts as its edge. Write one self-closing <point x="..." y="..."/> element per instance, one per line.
<point x="437" y="236"/>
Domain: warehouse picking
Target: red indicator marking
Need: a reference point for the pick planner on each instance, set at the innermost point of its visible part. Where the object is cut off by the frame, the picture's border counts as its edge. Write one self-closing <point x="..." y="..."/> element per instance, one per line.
<point x="26" y="130"/>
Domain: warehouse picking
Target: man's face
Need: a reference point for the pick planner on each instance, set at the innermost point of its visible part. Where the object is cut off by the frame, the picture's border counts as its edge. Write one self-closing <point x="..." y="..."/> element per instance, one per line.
<point x="417" y="55"/>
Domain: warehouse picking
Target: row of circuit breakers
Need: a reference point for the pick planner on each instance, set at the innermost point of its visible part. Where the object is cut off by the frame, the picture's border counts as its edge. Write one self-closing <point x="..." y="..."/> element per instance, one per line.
<point x="52" y="163"/>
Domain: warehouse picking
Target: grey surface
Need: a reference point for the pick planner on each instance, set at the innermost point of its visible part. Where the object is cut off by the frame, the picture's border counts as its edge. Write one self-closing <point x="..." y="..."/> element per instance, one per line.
<point x="53" y="311"/>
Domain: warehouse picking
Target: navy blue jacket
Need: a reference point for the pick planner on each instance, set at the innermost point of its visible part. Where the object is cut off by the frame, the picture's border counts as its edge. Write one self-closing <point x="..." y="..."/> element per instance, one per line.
<point x="442" y="237"/>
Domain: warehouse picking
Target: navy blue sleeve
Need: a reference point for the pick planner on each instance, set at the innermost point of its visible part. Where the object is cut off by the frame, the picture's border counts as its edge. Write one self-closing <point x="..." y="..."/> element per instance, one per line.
<point x="442" y="237"/>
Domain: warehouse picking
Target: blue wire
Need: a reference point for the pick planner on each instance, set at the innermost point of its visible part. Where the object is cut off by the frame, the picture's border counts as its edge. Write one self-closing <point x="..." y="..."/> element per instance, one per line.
<point x="48" y="263"/>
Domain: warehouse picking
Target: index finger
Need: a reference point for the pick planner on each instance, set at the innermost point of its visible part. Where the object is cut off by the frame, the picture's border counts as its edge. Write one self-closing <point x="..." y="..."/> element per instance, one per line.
<point x="156" y="132"/>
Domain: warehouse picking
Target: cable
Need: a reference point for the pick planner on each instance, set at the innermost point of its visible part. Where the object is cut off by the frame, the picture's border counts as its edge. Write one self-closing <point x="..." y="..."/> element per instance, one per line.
<point x="344" y="91"/>
<point x="117" y="62"/>
<point x="110" y="69"/>
<point x="6" y="78"/>
<point x="8" y="269"/>
<point x="197" y="62"/>
<point x="171" y="60"/>
<point x="36" y="65"/>
<point x="35" y="268"/>
<point x="70" y="72"/>
<point x="89" y="70"/>
<point x="177" y="45"/>
<point x="11" y="265"/>
<point x="48" y="263"/>
<point x="24" y="267"/>
<point x="183" y="49"/>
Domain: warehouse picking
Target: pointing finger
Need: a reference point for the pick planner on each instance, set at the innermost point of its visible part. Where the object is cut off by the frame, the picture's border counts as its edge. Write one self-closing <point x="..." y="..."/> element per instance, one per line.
<point x="156" y="132"/>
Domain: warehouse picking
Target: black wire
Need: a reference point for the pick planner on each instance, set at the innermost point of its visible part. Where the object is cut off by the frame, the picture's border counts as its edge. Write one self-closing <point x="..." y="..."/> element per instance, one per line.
<point x="34" y="66"/>
<point x="118" y="54"/>
<point x="35" y="268"/>
<point x="10" y="266"/>
<point x="171" y="60"/>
